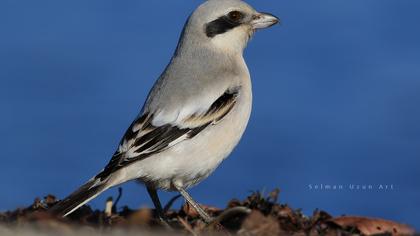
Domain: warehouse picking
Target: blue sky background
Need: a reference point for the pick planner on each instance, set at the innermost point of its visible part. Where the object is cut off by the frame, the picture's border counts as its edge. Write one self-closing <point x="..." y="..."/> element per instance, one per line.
<point x="337" y="94"/>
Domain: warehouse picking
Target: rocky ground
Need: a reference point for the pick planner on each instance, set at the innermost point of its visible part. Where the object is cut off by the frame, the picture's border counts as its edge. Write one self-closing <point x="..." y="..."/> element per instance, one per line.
<point x="256" y="215"/>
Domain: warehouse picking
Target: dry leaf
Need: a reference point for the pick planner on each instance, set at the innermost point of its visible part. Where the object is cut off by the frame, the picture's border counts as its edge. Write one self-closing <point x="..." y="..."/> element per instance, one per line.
<point x="191" y="212"/>
<point x="141" y="217"/>
<point x="258" y="224"/>
<point x="370" y="226"/>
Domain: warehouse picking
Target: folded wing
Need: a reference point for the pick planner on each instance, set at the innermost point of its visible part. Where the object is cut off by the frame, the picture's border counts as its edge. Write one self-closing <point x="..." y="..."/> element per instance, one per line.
<point x="143" y="139"/>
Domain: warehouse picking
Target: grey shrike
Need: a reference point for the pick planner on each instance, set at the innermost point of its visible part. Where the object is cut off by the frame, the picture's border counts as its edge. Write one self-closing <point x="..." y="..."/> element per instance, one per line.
<point x="195" y="113"/>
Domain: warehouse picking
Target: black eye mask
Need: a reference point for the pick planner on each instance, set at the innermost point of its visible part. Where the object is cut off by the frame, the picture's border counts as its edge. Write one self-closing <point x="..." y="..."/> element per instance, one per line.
<point x="221" y="25"/>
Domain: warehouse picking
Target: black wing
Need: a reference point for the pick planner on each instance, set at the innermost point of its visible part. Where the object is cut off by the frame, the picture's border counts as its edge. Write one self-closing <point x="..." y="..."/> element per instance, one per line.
<point x="142" y="139"/>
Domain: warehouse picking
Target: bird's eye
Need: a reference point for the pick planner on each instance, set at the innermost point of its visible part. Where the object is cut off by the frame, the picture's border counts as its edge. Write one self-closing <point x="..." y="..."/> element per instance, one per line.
<point x="235" y="16"/>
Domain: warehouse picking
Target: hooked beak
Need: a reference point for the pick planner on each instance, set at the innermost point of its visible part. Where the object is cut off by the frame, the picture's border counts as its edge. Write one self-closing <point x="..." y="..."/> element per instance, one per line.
<point x="263" y="20"/>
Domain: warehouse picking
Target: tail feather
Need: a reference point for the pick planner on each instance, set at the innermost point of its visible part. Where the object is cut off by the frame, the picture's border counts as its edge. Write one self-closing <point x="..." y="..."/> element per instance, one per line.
<point x="78" y="198"/>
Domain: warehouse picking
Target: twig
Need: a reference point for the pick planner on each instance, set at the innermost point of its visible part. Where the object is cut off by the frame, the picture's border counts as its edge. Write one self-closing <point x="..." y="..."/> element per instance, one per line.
<point x="120" y="192"/>
<point x="109" y="206"/>
<point x="170" y="203"/>
<point x="187" y="226"/>
<point x="229" y="213"/>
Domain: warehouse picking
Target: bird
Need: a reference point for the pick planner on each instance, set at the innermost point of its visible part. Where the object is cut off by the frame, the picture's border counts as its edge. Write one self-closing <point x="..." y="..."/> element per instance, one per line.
<point x="195" y="113"/>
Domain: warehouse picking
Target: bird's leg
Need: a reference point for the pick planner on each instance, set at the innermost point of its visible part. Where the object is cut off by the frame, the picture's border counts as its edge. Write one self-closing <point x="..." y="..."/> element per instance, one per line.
<point x="195" y="205"/>
<point x="155" y="198"/>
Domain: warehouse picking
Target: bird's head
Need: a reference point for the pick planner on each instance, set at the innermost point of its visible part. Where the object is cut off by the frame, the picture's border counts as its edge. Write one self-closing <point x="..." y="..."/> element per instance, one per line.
<point x="225" y="25"/>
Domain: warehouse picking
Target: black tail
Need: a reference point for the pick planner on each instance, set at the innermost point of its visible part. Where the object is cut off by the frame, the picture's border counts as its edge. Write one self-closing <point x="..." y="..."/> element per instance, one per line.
<point x="78" y="198"/>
